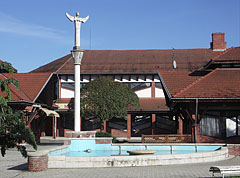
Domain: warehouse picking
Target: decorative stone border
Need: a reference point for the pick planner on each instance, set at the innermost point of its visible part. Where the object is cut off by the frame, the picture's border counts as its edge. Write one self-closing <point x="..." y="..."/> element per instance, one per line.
<point x="40" y="160"/>
<point x="143" y="160"/>
<point x="81" y="134"/>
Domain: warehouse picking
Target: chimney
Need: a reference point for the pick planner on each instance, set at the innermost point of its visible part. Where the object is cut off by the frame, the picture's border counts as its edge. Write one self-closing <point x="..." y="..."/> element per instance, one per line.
<point x="218" y="42"/>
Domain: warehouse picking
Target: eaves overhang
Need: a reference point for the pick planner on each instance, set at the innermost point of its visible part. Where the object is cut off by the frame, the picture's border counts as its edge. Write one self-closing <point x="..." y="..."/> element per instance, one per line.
<point x="113" y="73"/>
<point x="20" y="102"/>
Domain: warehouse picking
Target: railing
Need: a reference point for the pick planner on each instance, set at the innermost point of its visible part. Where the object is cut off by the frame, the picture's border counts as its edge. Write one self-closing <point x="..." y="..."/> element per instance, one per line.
<point x="166" y="138"/>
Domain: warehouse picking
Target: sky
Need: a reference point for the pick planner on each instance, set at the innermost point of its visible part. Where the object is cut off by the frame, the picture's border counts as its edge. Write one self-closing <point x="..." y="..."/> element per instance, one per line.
<point x="34" y="33"/>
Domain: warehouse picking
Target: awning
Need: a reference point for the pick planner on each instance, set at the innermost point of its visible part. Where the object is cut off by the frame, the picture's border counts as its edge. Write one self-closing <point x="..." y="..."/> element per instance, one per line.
<point x="50" y="112"/>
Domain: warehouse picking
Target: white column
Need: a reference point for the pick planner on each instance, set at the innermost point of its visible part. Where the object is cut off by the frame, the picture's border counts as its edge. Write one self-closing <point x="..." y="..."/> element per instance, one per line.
<point x="77" y="119"/>
<point x="77" y="54"/>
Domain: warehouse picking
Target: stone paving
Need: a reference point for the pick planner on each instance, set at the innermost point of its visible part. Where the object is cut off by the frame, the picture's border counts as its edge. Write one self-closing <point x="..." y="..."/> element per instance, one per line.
<point x="14" y="165"/>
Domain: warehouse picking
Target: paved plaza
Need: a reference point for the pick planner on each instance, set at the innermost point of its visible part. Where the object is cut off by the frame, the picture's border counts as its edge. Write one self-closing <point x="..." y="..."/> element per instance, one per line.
<point x="13" y="165"/>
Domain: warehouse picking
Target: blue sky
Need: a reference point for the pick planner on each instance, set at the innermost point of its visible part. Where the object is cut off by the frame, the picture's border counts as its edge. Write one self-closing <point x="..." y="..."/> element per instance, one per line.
<point x="34" y="33"/>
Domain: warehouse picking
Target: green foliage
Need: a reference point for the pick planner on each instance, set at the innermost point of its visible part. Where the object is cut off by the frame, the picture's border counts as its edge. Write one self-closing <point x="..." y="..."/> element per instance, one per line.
<point x="105" y="134"/>
<point x="13" y="130"/>
<point x="6" y="67"/>
<point x="103" y="98"/>
<point x="4" y="86"/>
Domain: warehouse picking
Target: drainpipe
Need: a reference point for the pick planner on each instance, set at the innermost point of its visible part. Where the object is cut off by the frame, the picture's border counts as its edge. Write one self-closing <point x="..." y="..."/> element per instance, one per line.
<point x="196" y="118"/>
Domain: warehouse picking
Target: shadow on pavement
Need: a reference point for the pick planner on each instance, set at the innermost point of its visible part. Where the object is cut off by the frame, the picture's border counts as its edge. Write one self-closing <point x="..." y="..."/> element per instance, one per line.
<point x="21" y="167"/>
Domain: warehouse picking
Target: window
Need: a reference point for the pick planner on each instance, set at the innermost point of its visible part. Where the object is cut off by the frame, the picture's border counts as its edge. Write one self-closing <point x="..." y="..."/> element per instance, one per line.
<point x="70" y="85"/>
<point x="158" y="84"/>
<point x="211" y="125"/>
<point x="139" y="86"/>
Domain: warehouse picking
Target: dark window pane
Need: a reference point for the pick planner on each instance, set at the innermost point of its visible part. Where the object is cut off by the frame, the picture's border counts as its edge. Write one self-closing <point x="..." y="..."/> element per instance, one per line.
<point x="68" y="85"/>
<point x="158" y="84"/>
<point x="139" y="86"/>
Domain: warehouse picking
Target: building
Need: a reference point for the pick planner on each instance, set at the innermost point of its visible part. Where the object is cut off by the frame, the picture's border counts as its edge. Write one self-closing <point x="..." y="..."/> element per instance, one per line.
<point x="33" y="97"/>
<point x="175" y="86"/>
<point x="181" y="91"/>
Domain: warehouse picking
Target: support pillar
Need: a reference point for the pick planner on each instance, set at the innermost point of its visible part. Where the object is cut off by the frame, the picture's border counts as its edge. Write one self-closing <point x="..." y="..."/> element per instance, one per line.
<point x="54" y="126"/>
<point x="153" y="90"/>
<point x="237" y="122"/>
<point x="180" y="126"/>
<point x="195" y="130"/>
<point x="153" y="123"/>
<point x="105" y="126"/>
<point x="196" y="119"/>
<point x="129" y="126"/>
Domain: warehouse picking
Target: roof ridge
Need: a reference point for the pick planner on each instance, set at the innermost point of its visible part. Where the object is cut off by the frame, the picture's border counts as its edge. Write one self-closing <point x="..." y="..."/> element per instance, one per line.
<point x="150" y="49"/>
<point x="224" y="52"/>
<point x="195" y="82"/>
<point x="63" y="64"/>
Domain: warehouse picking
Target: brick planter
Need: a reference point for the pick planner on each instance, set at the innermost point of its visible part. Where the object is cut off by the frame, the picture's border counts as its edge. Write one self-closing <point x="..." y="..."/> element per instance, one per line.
<point x="103" y="140"/>
<point x="38" y="163"/>
<point x="234" y="149"/>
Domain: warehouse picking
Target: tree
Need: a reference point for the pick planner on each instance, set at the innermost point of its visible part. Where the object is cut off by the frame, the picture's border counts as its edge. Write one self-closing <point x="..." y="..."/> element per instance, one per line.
<point x="104" y="99"/>
<point x="13" y="130"/>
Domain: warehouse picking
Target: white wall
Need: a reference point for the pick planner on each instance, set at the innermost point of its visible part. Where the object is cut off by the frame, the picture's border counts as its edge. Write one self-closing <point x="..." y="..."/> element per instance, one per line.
<point x="145" y="93"/>
<point x="65" y="93"/>
<point x="159" y="93"/>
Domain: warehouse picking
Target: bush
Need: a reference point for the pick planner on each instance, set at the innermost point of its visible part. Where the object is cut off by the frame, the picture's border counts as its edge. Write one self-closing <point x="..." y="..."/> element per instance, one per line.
<point x="105" y="134"/>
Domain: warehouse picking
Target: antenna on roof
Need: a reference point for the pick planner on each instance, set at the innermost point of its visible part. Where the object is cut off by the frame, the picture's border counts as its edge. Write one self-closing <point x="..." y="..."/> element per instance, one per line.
<point x="173" y="59"/>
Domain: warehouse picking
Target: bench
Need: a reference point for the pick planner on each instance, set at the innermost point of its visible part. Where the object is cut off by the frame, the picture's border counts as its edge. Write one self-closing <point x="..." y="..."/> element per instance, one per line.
<point x="225" y="170"/>
<point x="171" y="138"/>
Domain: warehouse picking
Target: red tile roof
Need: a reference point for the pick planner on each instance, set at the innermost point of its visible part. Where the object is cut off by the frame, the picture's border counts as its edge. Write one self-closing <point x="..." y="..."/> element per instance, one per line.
<point x="31" y="85"/>
<point x="231" y="54"/>
<point x="221" y="83"/>
<point x="153" y="104"/>
<point x="16" y="93"/>
<point x="128" y="61"/>
<point x="175" y="81"/>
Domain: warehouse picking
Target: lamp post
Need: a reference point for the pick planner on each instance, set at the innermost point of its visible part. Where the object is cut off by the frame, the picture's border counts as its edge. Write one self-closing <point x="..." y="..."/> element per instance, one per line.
<point x="77" y="54"/>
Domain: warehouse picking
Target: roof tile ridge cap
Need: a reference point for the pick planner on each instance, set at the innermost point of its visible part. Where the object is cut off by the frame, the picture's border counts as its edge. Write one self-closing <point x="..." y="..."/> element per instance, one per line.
<point x="63" y="64"/>
<point x="224" y="52"/>
<point x="12" y="85"/>
<point x="194" y="83"/>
